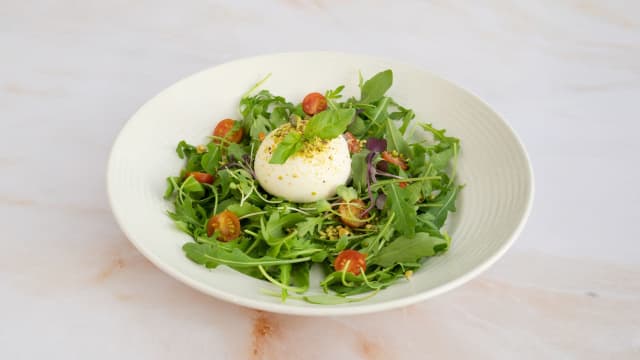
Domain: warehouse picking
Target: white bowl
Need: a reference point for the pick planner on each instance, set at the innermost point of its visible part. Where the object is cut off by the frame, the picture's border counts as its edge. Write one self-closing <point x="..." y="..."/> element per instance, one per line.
<point x="492" y="208"/>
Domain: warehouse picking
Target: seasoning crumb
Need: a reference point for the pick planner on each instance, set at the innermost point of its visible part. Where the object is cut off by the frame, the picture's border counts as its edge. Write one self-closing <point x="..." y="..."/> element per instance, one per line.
<point x="294" y="175"/>
<point x="408" y="274"/>
<point x="343" y="231"/>
<point x="200" y="149"/>
<point x="279" y="177"/>
<point x="314" y="193"/>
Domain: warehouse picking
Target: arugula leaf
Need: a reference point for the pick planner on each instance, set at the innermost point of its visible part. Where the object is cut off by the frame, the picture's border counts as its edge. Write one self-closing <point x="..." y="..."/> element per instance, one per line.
<point x="395" y="141"/>
<point x="185" y="150"/>
<point x="187" y="214"/>
<point x="211" y="160"/>
<point x="326" y="299"/>
<point x="335" y="93"/>
<point x="290" y="145"/>
<point x="357" y="127"/>
<point x="342" y="243"/>
<point x="259" y="125"/>
<point x="359" y="170"/>
<point x="440" y="160"/>
<point x="192" y="188"/>
<point x="309" y="225"/>
<point x="319" y="256"/>
<point x="447" y="200"/>
<point x="285" y="277"/>
<point x="376" y="116"/>
<point x="439" y="134"/>
<point x="405" y="219"/>
<point x="236" y="151"/>
<point x="274" y="232"/>
<point x="242" y="210"/>
<point x="329" y="124"/>
<point x="211" y="255"/>
<point x="407" y="249"/>
<point x="417" y="161"/>
<point x="171" y="186"/>
<point x="300" y="276"/>
<point x="347" y="193"/>
<point x="374" y="89"/>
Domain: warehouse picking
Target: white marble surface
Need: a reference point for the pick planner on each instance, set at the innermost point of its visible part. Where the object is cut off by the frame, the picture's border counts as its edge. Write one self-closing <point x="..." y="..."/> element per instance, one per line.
<point x="566" y="74"/>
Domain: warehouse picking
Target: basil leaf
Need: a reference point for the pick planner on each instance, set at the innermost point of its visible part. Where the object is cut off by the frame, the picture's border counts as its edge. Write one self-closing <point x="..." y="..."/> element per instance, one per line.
<point x="407" y="249"/>
<point x="374" y="89"/>
<point x="329" y="124"/>
<point x="290" y="145"/>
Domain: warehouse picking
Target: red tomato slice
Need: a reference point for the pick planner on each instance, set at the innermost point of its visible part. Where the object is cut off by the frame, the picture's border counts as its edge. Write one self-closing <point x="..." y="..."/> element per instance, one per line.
<point x="201" y="177"/>
<point x="227" y="223"/>
<point x="223" y="130"/>
<point x="354" y="262"/>
<point x="314" y="103"/>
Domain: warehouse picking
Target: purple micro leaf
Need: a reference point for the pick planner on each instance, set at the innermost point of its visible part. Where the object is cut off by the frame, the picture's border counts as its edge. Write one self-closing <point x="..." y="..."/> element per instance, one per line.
<point x="376" y="145"/>
<point x="384" y="173"/>
<point x="381" y="200"/>
<point x="382" y="166"/>
<point x="371" y="170"/>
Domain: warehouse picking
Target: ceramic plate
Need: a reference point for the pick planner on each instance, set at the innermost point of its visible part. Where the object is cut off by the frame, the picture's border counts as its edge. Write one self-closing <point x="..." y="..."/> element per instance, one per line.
<point x="493" y="164"/>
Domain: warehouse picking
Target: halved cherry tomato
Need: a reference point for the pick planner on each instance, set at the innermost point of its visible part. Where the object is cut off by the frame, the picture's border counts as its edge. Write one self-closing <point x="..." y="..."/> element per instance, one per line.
<point x="354" y="262"/>
<point x="353" y="142"/>
<point x="201" y="177"/>
<point x="223" y="130"/>
<point x="351" y="213"/>
<point x="227" y="223"/>
<point x="388" y="157"/>
<point x="313" y="103"/>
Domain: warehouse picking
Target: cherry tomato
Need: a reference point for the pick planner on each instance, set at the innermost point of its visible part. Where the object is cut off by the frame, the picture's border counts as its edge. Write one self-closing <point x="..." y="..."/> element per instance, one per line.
<point x="356" y="262"/>
<point x="222" y="130"/>
<point x="351" y="213"/>
<point x="313" y="103"/>
<point x="227" y="223"/>
<point x="201" y="177"/>
<point x="394" y="160"/>
<point x="353" y="142"/>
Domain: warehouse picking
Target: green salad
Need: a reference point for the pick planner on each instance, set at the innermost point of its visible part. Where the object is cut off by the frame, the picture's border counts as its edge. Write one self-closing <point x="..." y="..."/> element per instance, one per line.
<point x="343" y="185"/>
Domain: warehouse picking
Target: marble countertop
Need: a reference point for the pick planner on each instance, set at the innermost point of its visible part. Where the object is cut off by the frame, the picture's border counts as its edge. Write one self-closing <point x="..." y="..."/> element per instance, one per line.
<point x="566" y="74"/>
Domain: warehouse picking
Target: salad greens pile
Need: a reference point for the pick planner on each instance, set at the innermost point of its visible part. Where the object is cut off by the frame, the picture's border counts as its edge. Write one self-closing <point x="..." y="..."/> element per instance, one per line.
<point x="406" y="183"/>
